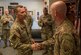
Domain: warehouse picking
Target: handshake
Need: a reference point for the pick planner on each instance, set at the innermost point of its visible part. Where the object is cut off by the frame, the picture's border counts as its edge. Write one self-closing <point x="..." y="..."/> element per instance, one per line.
<point x="36" y="46"/>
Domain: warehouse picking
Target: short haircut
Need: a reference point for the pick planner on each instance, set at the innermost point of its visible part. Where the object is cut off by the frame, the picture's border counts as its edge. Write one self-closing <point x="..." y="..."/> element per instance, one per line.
<point x="16" y="8"/>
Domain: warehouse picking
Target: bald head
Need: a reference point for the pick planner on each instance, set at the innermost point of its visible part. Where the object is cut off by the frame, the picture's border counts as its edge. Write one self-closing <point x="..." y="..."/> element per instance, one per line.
<point x="6" y="11"/>
<point x="58" y="8"/>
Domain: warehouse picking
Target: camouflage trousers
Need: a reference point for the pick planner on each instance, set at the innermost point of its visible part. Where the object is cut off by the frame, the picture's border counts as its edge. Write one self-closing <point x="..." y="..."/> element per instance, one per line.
<point x="5" y="37"/>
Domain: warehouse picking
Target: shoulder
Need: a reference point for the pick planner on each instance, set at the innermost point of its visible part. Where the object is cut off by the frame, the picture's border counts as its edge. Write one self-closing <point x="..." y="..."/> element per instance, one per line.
<point x="10" y="15"/>
<point x="65" y="30"/>
<point x="14" y="26"/>
<point x="29" y="16"/>
<point x="2" y="16"/>
<point x="41" y="16"/>
<point x="49" y="14"/>
<point x="66" y="27"/>
<point x="13" y="29"/>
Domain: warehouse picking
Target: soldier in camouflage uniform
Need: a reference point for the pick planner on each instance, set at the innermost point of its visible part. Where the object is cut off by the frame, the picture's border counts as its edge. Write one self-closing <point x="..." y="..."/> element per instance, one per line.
<point x="19" y="34"/>
<point x="6" y="20"/>
<point x="63" y="39"/>
<point x="29" y="21"/>
<point x="45" y="22"/>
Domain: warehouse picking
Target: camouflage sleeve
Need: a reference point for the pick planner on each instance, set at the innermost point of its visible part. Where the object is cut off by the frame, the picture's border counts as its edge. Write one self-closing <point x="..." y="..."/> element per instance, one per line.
<point x="12" y="19"/>
<point x="50" y="21"/>
<point x="67" y="45"/>
<point x="15" y="41"/>
<point x="40" y="23"/>
<point x="48" y="42"/>
<point x="2" y="19"/>
<point x="30" y="23"/>
<point x="53" y="27"/>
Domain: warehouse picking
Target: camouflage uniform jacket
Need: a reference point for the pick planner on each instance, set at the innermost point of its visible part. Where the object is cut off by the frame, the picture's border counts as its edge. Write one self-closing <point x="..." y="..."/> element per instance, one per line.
<point x="20" y="39"/>
<point x="46" y="24"/>
<point x="29" y="22"/>
<point x="63" y="40"/>
<point x="6" y="18"/>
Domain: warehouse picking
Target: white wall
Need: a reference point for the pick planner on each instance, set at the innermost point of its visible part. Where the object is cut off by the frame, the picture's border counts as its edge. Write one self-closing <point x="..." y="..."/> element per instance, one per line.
<point x="28" y="3"/>
<point x="32" y="5"/>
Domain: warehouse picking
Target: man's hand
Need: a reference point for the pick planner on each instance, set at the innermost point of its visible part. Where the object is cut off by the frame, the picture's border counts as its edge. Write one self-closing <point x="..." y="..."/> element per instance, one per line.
<point x="36" y="46"/>
<point x="6" y="20"/>
<point x="33" y="41"/>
